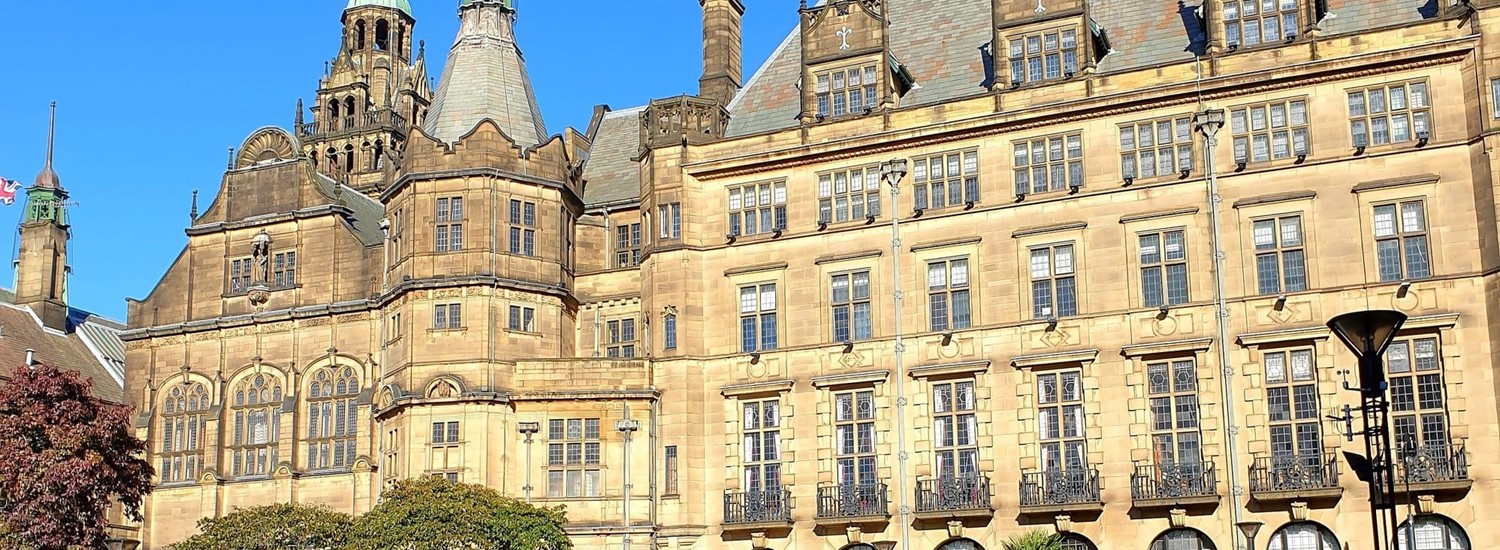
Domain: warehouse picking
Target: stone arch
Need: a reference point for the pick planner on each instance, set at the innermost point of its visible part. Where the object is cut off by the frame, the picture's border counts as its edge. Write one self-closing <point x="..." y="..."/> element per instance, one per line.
<point x="1183" y="538"/>
<point x="1434" y="532"/>
<point x="1075" y="541"/>
<point x="382" y="35"/>
<point x="1309" y="535"/>
<point x="268" y="145"/>
<point x="359" y="34"/>
<point x="960" y="544"/>
<point x="444" y="387"/>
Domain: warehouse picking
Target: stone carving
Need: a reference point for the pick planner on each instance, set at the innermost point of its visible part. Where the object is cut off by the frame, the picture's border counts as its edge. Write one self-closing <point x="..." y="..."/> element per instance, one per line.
<point x="844" y="37"/>
<point x="260" y="252"/>
<point x="442" y="389"/>
<point x="267" y="145"/>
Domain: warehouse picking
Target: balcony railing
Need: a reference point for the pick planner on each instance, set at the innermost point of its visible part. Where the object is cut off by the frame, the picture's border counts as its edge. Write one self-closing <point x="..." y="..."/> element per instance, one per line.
<point x="852" y="501"/>
<point x="383" y="118"/>
<point x="772" y="506"/>
<point x="1432" y="463"/>
<point x="1294" y="474"/>
<point x="953" y="494"/>
<point x="1059" y="488"/>
<point x="1191" y="480"/>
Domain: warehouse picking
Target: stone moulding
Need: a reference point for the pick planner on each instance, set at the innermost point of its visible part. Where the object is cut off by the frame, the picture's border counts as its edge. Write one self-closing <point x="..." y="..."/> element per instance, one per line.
<point x="1273" y="199"/>
<point x="755" y="388"/>
<point x="1054" y="359"/>
<point x="1045" y="229"/>
<point x="1157" y="215"/>
<point x="851" y="379"/>
<point x="1419" y="179"/>
<point x="1255" y="339"/>
<point x="932" y="245"/>
<point x="945" y="369"/>
<point x="1174" y="346"/>
<point x="776" y="266"/>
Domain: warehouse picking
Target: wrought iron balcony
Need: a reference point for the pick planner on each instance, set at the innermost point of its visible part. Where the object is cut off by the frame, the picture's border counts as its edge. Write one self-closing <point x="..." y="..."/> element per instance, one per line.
<point x="845" y="502"/>
<point x="379" y="119"/>
<point x="1295" y="477"/>
<point x="953" y="496"/>
<point x="1433" y="467"/>
<point x="1174" y="484"/>
<point x="748" y="508"/>
<point x="1060" y="490"/>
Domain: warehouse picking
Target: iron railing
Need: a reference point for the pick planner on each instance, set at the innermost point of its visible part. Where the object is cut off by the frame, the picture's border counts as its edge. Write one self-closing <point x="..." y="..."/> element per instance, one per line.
<point x="1279" y="474"/>
<point x="1432" y="463"/>
<point x="849" y="501"/>
<point x="948" y="494"/>
<point x="1060" y="487"/>
<point x="1170" y="481"/>
<point x="773" y="505"/>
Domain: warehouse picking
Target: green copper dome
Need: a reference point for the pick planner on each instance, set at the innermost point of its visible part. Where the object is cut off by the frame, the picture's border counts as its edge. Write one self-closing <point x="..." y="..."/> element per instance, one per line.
<point x="402" y="5"/>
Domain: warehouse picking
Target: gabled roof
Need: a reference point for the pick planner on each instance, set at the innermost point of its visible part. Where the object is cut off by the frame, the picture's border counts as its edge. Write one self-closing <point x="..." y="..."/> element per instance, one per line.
<point x="945" y="45"/>
<point x="91" y="346"/>
<point x="611" y="175"/>
<point x="485" y="78"/>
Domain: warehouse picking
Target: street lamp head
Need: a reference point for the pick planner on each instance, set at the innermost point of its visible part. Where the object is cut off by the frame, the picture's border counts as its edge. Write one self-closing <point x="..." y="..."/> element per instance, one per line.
<point x="1250" y="528"/>
<point x="1209" y="121"/>
<point x="529" y="427"/>
<point x="893" y="171"/>
<point x="1367" y="333"/>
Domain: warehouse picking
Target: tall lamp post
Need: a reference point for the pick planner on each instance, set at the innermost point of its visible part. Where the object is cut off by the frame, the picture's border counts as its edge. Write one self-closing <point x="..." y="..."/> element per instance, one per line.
<point x="528" y="429"/>
<point x="893" y="171"/>
<point x="1367" y="334"/>
<point x="627" y="427"/>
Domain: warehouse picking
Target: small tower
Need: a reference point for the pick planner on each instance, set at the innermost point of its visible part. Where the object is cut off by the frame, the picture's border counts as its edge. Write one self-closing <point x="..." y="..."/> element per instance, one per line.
<point x="42" y="268"/>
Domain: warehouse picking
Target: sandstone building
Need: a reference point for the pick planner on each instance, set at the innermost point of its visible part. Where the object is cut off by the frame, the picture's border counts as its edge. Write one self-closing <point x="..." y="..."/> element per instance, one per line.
<point x="694" y="324"/>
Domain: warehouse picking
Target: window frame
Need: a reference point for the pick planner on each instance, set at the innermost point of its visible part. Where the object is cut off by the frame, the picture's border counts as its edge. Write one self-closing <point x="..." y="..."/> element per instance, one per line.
<point x="865" y="202"/>
<point x="759" y="316"/>
<point x="1174" y="396"/>
<point x="1235" y="18"/>
<point x="1065" y="164"/>
<point x="774" y="192"/>
<point x="241" y="275"/>
<point x="1058" y="405"/>
<point x="1028" y="65"/>
<point x="1279" y="251"/>
<point x="849" y="329"/>
<point x="1297" y="410"/>
<point x="1053" y="280"/>
<point x="628" y="245"/>
<point x="284" y="269"/>
<point x="1135" y="155"/>
<point x="445" y="443"/>
<point x="448" y="224"/>
<point x="1417" y="111"/>
<point x="835" y="94"/>
<point x="332" y="418"/>
<point x="521" y="319"/>
<point x="184" y="426"/>
<point x="669" y="331"/>
<point x="936" y="192"/>
<point x="942" y="313"/>
<point x="561" y="463"/>
<point x="523" y="224"/>
<point x="669" y="221"/>
<point x="1425" y="387"/>
<point x="856" y="443"/>
<point x="448" y="316"/>
<point x="760" y="470"/>
<point x="1163" y="274"/>
<point x="623" y="338"/>
<point x="953" y="415"/>
<point x="1246" y="139"/>
<point x="1404" y="239"/>
<point x="252" y="455"/>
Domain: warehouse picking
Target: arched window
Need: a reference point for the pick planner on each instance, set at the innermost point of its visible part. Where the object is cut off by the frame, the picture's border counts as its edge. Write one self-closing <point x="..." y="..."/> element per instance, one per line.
<point x="183" y="418"/>
<point x="1182" y="539"/>
<point x="314" y="157"/>
<point x="349" y="158"/>
<point x="333" y="159"/>
<point x="332" y="419"/>
<point x="401" y="40"/>
<point x="1433" y="533"/>
<point x="333" y="109"/>
<point x="1075" y="541"/>
<point x="257" y="404"/>
<point x="960" y="544"/>
<point x="1304" y="535"/>
<point x="378" y="161"/>
<point x="382" y="35"/>
<point x="359" y="34"/>
<point x="348" y="113"/>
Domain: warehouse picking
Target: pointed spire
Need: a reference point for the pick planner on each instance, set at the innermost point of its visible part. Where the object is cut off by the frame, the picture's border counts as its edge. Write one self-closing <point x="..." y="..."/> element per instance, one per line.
<point x="193" y="215"/>
<point x="231" y="158"/>
<point x="421" y="49"/>
<point x="299" y="114"/>
<point x="485" y="78"/>
<point x="47" y="178"/>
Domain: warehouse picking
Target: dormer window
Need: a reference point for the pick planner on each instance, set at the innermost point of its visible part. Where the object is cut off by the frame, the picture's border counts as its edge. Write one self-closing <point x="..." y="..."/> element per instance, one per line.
<point x="1255" y="22"/>
<point x="847" y="90"/>
<point x="1046" y="55"/>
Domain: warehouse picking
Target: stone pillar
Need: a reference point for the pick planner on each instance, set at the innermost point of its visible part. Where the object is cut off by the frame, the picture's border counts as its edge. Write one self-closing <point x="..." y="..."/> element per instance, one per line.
<point x="722" y="44"/>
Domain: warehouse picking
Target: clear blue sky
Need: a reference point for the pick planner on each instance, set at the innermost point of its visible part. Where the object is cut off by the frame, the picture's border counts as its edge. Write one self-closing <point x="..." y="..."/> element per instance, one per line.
<point x="152" y="94"/>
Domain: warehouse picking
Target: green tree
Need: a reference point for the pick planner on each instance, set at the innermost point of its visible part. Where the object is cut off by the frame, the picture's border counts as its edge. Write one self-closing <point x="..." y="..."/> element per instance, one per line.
<point x="432" y="513"/>
<point x="65" y="455"/>
<point x="273" y="527"/>
<point x="1035" y="539"/>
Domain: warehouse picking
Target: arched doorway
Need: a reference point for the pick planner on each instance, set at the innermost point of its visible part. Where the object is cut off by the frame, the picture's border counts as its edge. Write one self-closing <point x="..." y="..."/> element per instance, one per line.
<point x="1305" y="535"/>
<point x="1075" y="541"/>
<point x="1183" y="539"/>
<point x="1433" y="533"/>
<point x="960" y="544"/>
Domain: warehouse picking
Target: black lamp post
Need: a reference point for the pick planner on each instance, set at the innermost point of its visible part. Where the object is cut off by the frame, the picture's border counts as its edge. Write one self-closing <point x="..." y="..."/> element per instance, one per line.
<point x="1367" y="334"/>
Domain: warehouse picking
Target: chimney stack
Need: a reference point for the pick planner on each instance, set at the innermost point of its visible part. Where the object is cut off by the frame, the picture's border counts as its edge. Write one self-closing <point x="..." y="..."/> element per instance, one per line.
<point x="722" y="45"/>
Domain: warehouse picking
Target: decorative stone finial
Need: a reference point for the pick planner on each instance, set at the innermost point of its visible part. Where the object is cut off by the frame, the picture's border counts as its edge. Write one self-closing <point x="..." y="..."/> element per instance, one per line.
<point x="193" y="214"/>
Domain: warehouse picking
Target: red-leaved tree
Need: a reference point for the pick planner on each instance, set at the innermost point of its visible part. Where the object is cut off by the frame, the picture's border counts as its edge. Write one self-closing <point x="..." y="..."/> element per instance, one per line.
<point x="64" y="456"/>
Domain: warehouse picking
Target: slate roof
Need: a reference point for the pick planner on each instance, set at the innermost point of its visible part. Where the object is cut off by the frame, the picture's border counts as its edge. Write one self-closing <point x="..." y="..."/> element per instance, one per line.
<point x="92" y="345"/>
<point x="610" y="175"/>
<point x="943" y="42"/>
<point x="485" y="77"/>
<point x="367" y="211"/>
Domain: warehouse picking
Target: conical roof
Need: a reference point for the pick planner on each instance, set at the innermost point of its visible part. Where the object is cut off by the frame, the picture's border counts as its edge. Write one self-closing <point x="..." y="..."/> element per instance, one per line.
<point x="402" y="5"/>
<point x="485" y="78"/>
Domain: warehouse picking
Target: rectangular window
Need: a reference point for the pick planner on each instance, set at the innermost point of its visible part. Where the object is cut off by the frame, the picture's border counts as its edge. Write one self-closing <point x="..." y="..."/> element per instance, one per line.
<point x="847" y="91"/>
<point x="284" y="269"/>
<point x="522" y="319"/>
<point x="443" y="451"/>
<point x="239" y="276"/>
<point x="669" y="332"/>
<point x="761" y="445"/>
<point x="1060" y="423"/>
<point x="949" y="179"/>
<point x="669" y="221"/>
<point x="948" y="294"/>
<point x="621" y="338"/>
<point x="573" y="458"/>
<point x="955" y="429"/>
<point x="1252" y="22"/>
<point x="1280" y="259"/>
<point x="1054" y="291"/>
<point x="522" y="228"/>
<point x="851" y="306"/>
<point x="1292" y="406"/>
<point x="1495" y="96"/>
<point x="849" y="195"/>
<point x="669" y="467"/>
<point x="628" y="245"/>
<point x="1391" y="113"/>
<point x="757" y="208"/>
<point x="854" y="438"/>
<point x="398" y="240"/>
<point x="393" y="329"/>
<point x="758" y="317"/>
<point x="1047" y="55"/>
<point x="447" y="316"/>
<point x="1401" y="251"/>
<point x="1154" y="148"/>
<point x="1048" y="164"/>
<point x="450" y="228"/>
<point x="1173" y="393"/>
<point x="1419" y="416"/>
<point x="1164" y="279"/>
<point x="1270" y="131"/>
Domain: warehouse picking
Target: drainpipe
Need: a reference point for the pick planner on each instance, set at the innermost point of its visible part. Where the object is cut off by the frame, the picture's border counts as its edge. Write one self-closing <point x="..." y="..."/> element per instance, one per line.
<point x="626" y="426"/>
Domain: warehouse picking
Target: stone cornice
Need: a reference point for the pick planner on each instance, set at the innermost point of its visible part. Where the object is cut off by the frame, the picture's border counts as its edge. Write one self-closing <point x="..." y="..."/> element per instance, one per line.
<point x="1189" y="345"/>
<point x="746" y="270"/>
<point x="1061" y="358"/>
<point x="933" y="245"/>
<point x="1045" y="229"/>
<point x="1273" y="199"/>
<point x="1302" y="334"/>
<point x="865" y="378"/>
<point x="1419" y="179"/>
<point x="1132" y="218"/>
<point x="949" y="369"/>
<point x="270" y="219"/>
<point x="407" y="179"/>
<point x="757" y="388"/>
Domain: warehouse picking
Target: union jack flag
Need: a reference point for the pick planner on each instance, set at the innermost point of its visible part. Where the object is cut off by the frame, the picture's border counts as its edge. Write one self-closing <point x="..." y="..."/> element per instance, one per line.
<point x="8" y="191"/>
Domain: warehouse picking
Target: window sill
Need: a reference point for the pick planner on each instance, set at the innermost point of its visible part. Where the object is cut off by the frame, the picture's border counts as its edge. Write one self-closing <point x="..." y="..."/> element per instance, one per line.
<point x="1015" y="86"/>
<point x="757" y="237"/>
<point x="524" y="333"/>
<point x="1050" y="193"/>
<point x="177" y="484"/>
<point x="447" y="330"/>
<point x="959" y="207"/>
<point x="868" y="220"/>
